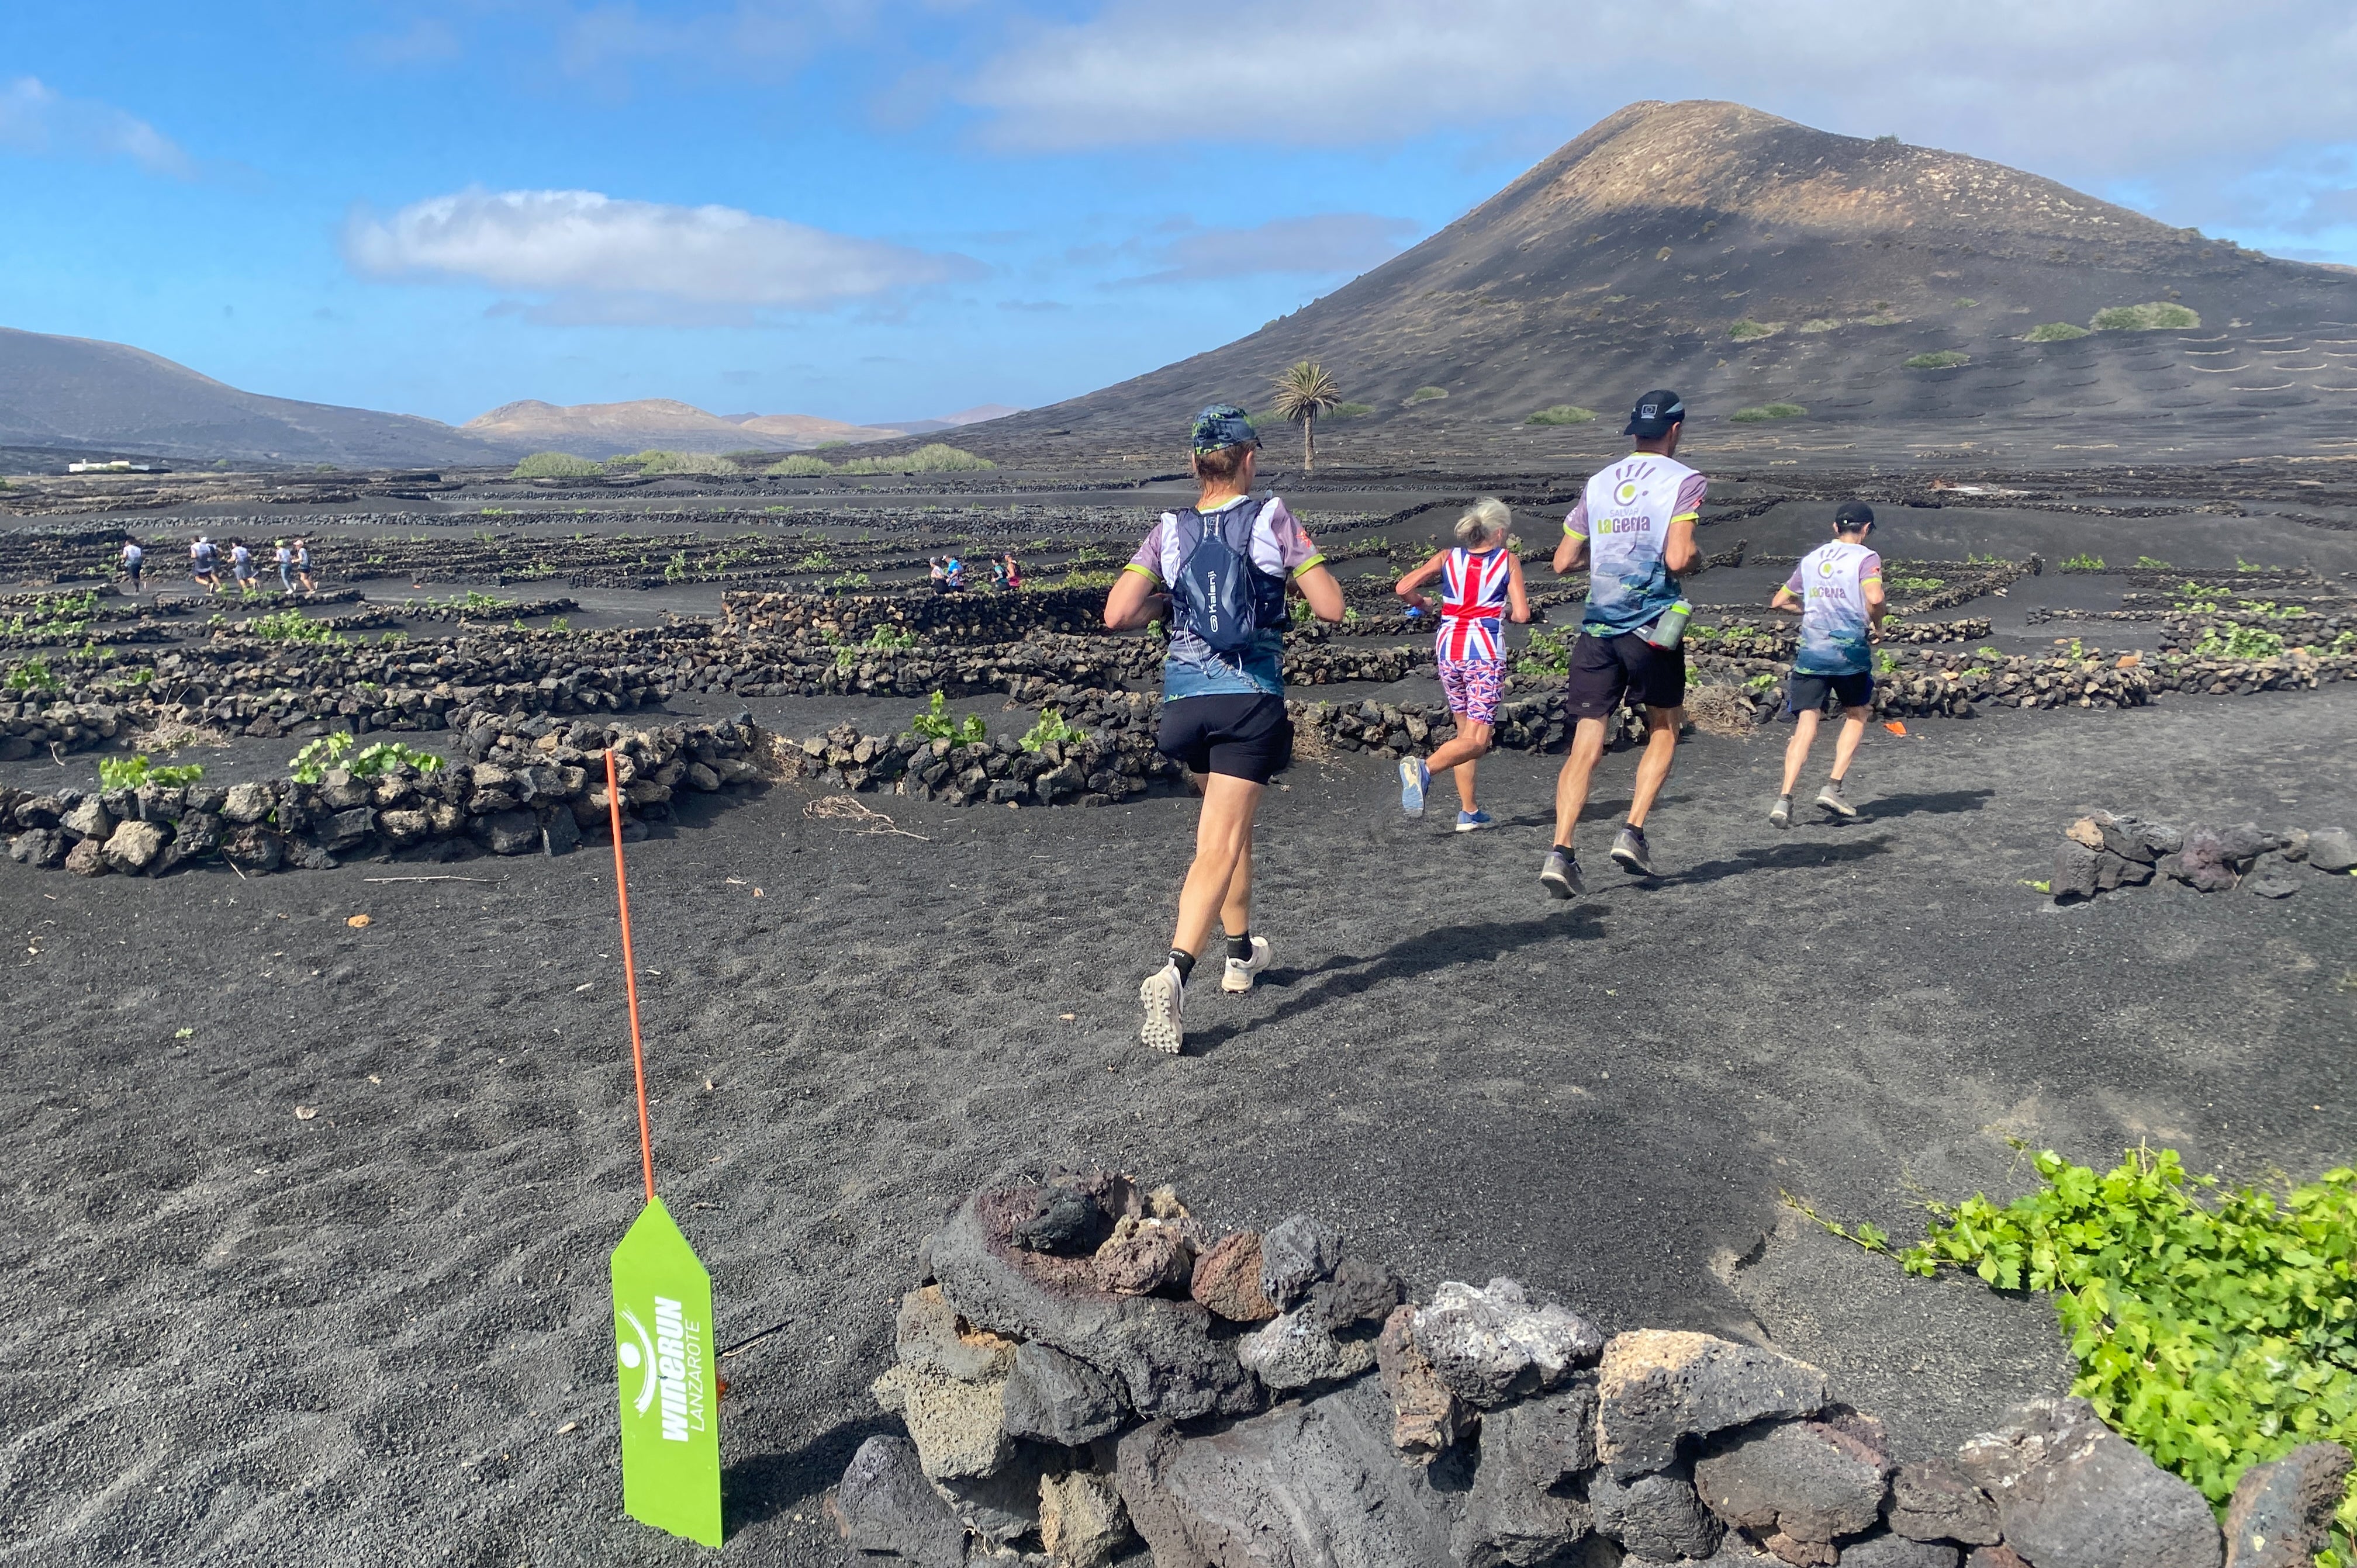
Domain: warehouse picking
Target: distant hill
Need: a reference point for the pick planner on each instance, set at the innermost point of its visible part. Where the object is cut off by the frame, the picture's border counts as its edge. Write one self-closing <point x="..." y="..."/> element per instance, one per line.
<point x="79" y="395"/>
<point x="1745" y="261"/>
<point x="807" y="430"/>
<point x="603" y="429"/>
<point x="979" y="414"/>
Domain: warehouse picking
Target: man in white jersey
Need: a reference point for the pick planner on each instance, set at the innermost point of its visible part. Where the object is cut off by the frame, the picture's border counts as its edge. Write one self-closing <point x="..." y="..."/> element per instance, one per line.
<point x="1836" y="590"/>
<point x="1634" y="529"/>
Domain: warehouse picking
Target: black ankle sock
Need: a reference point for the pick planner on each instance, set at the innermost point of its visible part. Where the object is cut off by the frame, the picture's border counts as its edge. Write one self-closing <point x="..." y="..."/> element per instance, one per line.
<point x="1565" y="851"/>
<point x="1185" y="962"/>
<point x="1240" y="947"/>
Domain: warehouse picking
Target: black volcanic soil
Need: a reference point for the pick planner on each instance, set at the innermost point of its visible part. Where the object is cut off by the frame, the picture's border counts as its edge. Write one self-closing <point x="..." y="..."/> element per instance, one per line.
<point x="236" y="1336"/>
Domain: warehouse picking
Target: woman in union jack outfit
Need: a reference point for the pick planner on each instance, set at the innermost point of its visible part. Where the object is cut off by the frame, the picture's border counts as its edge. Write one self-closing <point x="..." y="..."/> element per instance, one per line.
<point x="1480" y="588"/>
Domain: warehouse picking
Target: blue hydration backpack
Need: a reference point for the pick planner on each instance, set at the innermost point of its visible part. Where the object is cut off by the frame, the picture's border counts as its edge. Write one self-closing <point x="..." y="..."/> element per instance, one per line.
<point x="1218" y="594"/>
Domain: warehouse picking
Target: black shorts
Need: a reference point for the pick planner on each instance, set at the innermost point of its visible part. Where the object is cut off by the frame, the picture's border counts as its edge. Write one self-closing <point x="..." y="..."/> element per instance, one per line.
<point x="1244" y="735"/>
<point x="1805" y="694"/>
<point x="1604" y="667"/>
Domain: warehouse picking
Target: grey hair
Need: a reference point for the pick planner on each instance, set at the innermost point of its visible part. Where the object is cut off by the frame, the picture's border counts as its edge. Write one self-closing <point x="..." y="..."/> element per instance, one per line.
<point x="1485" y="521"/>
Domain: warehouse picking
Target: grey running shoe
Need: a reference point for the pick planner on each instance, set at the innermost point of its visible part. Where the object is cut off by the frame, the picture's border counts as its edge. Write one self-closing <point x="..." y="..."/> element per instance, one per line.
<point x="1830" y="797"/>
<point x="1164" y="996"/>
<point x="1560" y="875"/>
<point x="1242" y="971"/>
<point x="1629" y="849"/>
<point x="1780" y="815"/>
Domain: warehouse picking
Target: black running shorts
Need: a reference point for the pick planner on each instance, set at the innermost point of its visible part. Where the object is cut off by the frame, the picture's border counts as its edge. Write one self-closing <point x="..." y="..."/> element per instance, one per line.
<point x="1805" y="694"/>
<point x="1245" y="735"/>
<point x="1605" y="667"/>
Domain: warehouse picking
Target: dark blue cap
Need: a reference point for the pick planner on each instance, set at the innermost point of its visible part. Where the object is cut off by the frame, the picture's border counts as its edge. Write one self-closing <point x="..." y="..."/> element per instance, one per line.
<point x="1654" y="414"/>
<point x="1224" y="424"/>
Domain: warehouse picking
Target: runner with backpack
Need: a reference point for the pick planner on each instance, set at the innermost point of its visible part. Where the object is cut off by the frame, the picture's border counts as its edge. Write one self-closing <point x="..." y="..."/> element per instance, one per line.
<point x="1216" y="573"/>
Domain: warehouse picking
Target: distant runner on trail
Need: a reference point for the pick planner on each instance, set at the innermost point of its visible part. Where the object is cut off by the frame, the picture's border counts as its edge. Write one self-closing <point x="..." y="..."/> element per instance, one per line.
<point x="1223" y="564"/>
<point x="286" y="559"/>
<point x="1634" y="529"/>
<point x="303" y="566"/>
<point x="134" y="559"/>
<point x="1481" y="588"/>
<point x="204" y="563"/>
<point x="1836" y="590"/>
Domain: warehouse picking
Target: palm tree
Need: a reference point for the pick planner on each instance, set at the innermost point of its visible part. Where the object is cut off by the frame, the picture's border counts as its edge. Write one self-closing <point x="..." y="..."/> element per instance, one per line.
<point x="1303" y="392"/>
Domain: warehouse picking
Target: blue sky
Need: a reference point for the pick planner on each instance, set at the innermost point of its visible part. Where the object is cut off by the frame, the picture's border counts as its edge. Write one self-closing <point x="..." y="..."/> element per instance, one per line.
<point x="893" y="208"/>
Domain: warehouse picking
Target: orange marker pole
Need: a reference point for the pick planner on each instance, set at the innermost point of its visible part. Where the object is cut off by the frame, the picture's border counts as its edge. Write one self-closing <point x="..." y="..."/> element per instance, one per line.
<point x="631" y="976"/>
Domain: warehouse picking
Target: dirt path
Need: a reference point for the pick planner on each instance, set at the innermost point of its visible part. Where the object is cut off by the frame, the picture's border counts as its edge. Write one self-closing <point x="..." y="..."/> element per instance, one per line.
<point x="236" y="1336"/>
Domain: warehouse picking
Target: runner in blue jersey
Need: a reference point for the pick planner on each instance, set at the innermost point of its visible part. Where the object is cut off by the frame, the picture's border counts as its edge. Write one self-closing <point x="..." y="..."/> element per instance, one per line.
<point x="1836" y="590"/>
<point x="1223" y="714"/>
<point x="1634" y="529"/>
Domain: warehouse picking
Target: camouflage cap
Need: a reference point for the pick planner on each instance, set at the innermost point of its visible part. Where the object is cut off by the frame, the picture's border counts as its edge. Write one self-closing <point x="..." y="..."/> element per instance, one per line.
<point x="1224" y="424"/>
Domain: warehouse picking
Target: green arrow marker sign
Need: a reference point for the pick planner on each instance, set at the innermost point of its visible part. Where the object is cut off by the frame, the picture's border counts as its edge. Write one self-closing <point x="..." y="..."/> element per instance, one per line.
<point x="670" y="1399"/>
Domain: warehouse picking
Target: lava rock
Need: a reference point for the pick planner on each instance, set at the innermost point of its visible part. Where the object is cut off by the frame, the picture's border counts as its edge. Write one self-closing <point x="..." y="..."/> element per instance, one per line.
<point x="1001" y="1506"/>
<point x="1890" y="1551"/>
<point x="1161" y="1350"/>
<point x="928" y="1335"/>
<point x="1297" y="1349"/>
<point x="245" y="804"/>
<point x="1295" y="1254"/>
<point x="254" y="848"/>
<point x="2272" y="876"/>
<point x="1492" y="1347"/>
<point x="1227" y="1279"/>
<point x="2282" y="1510"/>
<point x="1657" y="1515"/>
<point x="1998" y="1556"/>
<point x="1304" y="1483"/>
<point x="133" y="847"/>
<point x="509" y="831"/>
<point x="2077" y="870"/>
<point x="959" y="1427"/>
<point x="1062" y="1222"/>
<point x="1512" y="1514"/>
<point x="403" y="827"/>
<point x="2126" y="837"/>
<point x="88" y="819"/>
<point x="2245" y="841"/>
<point x="885" y="1505"/>
<point x="38" y="811"/>
<point x="2201" y="863"/>
<point x="2072" y="1493"/>
<point x="1658" y="1387"/>
<point x="560" y="832"/>
<point x="1142" y="1257"/>
<point x="1359" y="1291"/>
<point x="1081" y="1521"/>
<point x="43" y="847"/>
<point x="347" y="828"/>
<point x="1806" y="1480"/>
<point x="2329" y="848"/>
<point x="1933" y="1500"/>
<point x="1053" y="1398"/>
<point x="1426" y="1417"/>
<point x="88" y="858"/>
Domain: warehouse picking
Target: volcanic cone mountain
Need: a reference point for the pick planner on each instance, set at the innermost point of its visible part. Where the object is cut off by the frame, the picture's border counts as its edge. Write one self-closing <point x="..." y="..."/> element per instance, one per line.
<point x="1748" y="262"/>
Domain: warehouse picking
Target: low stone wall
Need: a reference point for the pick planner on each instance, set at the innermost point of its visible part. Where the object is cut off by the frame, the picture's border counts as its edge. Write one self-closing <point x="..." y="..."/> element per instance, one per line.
<point x="2103" y="851"/>
<point x="542" y="789"/>
<point x="1084" y="1364"/>
<point x="966" y="616"/>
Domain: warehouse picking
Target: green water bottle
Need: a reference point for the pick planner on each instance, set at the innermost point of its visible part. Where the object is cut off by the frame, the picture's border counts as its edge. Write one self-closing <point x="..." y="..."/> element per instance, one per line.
<point x="1670" y="629"/>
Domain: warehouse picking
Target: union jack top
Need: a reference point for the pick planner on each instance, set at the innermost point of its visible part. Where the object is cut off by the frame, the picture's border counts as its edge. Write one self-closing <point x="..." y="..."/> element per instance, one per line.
<point x="1472" y="605"/>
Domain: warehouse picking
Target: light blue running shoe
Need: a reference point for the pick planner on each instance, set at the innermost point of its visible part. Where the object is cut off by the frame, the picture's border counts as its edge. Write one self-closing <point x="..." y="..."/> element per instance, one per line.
<point x="1473" y="822"/>
<point x="1414" y="779"/>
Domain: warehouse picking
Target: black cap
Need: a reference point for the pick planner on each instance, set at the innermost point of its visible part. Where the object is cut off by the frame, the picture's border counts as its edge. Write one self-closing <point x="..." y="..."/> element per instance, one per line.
<point x="1654" y="414"/>
<point x="1851" y="516"/>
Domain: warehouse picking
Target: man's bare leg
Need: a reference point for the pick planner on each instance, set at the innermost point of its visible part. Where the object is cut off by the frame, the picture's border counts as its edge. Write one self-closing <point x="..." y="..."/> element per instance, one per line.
<point x="1571" y="783"/>
<point x="1653" y="767"/>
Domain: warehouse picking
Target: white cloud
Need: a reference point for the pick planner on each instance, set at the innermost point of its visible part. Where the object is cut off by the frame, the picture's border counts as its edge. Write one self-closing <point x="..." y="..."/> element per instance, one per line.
<point x="611" y="260"/>
<point x="1319" y="244"/>
<point x="2103" y="88"/>
<point x="36" y="118"/>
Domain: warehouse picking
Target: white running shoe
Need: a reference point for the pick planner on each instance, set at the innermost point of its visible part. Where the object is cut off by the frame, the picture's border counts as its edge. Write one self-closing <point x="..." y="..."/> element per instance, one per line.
<point x="1164" y="996"/>
<point x="1240" y="971"/>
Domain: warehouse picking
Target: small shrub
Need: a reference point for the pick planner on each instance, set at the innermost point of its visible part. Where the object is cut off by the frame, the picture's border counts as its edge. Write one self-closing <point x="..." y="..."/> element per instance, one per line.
<point x="2053" y="332"/>
<point x="1819" y="324"/>
<point x="1548" y="654"/>
<point x="2150" y="563"/>
<point x="676" y="571"/>
<point x="2239" y="642"/>
<point x="311" y="764"/>
<point x="475" y="602"/>
<point x="131" y="772"/>
<point x="1350" y="410"/>
<point x="1562" y="413"/>
<point x="933" y="723"/>
<point x="800" y="466"/>
<point x="696" y="463"/>
<point x="294" y="625"/>
<point x="1747" y="329"/>
<point x="2084" y="563"/>
<point x="1052" y="730"/>
<point x="32" y="675"/>
<point x="851" y="580"/>
<point x="933" y="457"/>
<point x="2154" y="316"/>
<point x="1939" y="359"/>
<point x="1966" y="304"/>
<point x="557" y="466"/>
<point x="1886" y="662"/>
<point x="1426" y="394"/>
<point x="1766" y="412"/>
